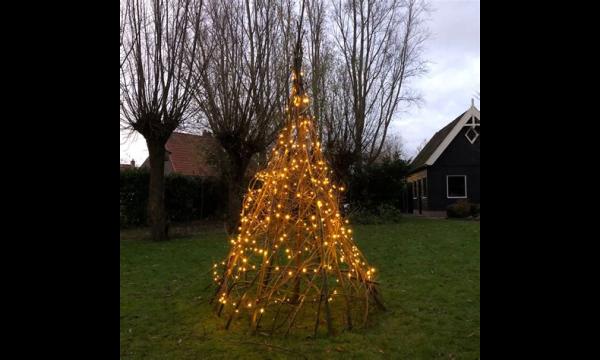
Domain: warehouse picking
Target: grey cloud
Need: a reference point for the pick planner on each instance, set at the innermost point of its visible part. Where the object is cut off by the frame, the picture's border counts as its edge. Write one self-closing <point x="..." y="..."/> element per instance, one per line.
<point x="454" y="76"/>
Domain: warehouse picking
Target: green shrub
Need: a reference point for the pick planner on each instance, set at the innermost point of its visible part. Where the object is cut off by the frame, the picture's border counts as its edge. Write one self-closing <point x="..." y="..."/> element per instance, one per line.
<point x="192" y="198"/>
<point x="460" y="209"/>
<point x="186" y="198"/>
<point x="475" y="210"/>
<point x="134" y="197"/>
<point x="389" y="214"/>
<point x="377" y="184"/>
<point x="180" y="193"/>
<point x="364" y="216"/>
<point x="383" y="214"/>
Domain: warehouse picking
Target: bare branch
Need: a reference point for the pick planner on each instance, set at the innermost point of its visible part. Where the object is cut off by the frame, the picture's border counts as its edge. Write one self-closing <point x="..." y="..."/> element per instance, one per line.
<point x="157" y="82"/>
<point x="380" y="45"/>
<point x="242" y="73"/>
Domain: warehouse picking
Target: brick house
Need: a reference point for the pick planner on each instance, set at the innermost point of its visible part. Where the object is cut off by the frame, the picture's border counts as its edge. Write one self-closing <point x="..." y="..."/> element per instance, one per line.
<point x="191" y="155"/>
<point x="131" y="166"/>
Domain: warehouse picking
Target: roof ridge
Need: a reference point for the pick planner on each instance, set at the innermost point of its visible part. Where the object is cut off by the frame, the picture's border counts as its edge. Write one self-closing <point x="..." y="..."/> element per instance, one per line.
<point x="421" y="158"/>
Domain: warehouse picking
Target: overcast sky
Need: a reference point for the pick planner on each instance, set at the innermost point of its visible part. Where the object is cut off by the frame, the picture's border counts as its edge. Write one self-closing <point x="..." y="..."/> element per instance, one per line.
<point x="453" y="79"/>
<point x="447" y="90"/>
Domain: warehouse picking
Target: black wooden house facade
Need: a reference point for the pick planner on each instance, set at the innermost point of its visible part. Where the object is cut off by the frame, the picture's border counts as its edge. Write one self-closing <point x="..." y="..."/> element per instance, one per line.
<point x="447" y="169"/>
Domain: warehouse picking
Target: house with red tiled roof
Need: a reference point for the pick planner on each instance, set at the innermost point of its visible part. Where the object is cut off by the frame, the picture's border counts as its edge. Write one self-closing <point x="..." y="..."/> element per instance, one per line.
<point x="191" y="155"/>
<point x="131" y="166"/>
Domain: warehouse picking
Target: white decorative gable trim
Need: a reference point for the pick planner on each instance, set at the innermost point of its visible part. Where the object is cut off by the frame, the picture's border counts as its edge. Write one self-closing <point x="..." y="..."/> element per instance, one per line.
<point x="473" y="111"/>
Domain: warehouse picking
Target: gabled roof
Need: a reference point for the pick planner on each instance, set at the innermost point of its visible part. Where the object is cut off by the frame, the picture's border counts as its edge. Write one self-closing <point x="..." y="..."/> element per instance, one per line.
<point x="190" y="154"/>
<point x="440" y="140"/>
<point x="197" y="155"/>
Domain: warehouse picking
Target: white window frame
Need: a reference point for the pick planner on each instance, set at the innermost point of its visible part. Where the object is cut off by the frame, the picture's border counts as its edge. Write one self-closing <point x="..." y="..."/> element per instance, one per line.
<point x="471" y="121"/>
<point x="476" y="134"/>
<point x="448" y="188"/>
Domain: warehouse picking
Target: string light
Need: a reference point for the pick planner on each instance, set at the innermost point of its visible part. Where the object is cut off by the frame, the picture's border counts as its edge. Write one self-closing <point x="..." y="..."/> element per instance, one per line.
<point x="296" y="196"/>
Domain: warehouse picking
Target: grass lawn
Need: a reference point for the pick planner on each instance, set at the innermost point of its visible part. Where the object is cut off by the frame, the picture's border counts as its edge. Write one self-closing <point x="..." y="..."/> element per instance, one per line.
<point x="429" y="273"/>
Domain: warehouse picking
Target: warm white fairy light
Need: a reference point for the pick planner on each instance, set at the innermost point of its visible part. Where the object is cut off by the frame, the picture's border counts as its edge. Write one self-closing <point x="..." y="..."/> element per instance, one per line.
<point x="291" y="231"/>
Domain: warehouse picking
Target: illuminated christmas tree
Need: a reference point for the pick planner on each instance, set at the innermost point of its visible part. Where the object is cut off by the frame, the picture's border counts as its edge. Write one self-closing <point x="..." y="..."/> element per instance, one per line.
<point x="294" y="265"/>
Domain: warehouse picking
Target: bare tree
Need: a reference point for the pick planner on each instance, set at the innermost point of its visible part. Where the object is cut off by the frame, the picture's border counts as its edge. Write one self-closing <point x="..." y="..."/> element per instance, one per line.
<point x="124" y="12"/>
<point x="381" y="46"/>
<point x="421" y="146"/>
<point x="393" y="147"/>
<point x="337" y="120"/>
<point x="285" y="39"/>
<point x="156" y="83"/>
<point x="320" y="58"/>
<point x="243" y="71"/>
<point x="329" y="87"/>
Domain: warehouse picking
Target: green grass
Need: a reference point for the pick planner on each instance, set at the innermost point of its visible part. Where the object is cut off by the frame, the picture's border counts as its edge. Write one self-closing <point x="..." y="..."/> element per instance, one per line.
<point x="429" y="271"/>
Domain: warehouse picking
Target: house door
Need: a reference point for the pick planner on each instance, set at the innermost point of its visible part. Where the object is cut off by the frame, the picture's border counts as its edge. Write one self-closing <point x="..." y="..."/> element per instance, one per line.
<point x="407" y="198"/>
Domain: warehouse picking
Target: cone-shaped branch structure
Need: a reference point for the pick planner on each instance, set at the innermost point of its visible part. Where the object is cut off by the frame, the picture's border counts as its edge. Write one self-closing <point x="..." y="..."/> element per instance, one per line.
<point x="294" y="265"/>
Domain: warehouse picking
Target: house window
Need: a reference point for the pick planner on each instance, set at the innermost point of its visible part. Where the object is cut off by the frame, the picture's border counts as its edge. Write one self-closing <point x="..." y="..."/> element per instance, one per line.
<point x="424" y="187"/>
<point x="456" y="186"/>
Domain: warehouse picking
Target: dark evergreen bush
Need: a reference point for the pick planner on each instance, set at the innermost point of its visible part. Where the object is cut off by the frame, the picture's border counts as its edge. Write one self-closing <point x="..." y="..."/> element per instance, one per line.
<point x="376" y="190"/>
<point x="134" y="197"/>
<point x="460" y="209"/>
<point x="186" y="198"/>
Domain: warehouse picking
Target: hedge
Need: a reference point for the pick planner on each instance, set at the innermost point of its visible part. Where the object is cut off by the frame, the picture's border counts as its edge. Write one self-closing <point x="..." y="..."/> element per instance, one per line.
<point x="378" y="186"/>
<point x="186" y="198"/>
<point x="375" y="192"/>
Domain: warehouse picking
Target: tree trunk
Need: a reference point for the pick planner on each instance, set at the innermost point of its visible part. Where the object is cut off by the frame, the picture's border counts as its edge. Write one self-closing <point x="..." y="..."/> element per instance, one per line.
<point x="234" y="204"/>
<point x="156" y="197"/>
<point x="236" y="184"/>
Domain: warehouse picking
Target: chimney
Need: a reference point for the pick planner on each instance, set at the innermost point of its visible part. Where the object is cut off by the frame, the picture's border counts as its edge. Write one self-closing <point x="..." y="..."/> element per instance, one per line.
<point x="133" y="163"/>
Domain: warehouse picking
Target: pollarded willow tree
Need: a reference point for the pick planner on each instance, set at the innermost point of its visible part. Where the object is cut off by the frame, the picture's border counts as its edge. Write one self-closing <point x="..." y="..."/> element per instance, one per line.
<point x="242" y="71"/>
<point x="158" y="39"/>
<point x="294" y="264"/>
